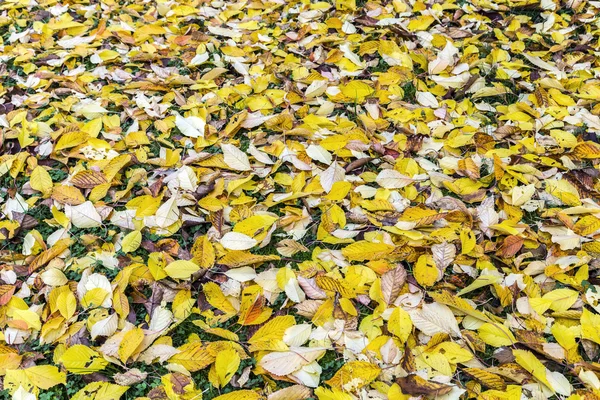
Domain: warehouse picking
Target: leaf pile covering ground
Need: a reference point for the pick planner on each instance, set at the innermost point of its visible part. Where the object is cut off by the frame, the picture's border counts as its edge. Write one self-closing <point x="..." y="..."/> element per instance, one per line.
<point x="293" y="199"/>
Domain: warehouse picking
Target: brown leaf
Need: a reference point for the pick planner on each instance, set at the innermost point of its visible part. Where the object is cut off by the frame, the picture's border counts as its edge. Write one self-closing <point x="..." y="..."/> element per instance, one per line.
<point x="408" y="360"/>
<point x="310" y="288"/>
<point x="179" y="382"/>
<point x="469" y="168"/>
<point x="417" y="386"/>
<point x="88" y="179"/>
<point x="130" y="377"/>
<point x="67" y="195"/>
<point x="358" y="163"/>
<point x="216" y="219"/>
<point x="586" y="150"/>
<point x="510" y="246"/>
<point x="391" y="283"/>
<point x="6" y="292"/>
<point x="296" y="392"/>
<point x="488" y="379"/>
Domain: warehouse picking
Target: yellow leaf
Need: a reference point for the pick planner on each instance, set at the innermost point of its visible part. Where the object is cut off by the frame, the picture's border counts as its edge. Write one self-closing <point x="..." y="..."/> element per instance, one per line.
<point x="67" y="304"/>
<point x="354" y="373"/>
<point x="468" y="241"/>
<point x="41" y="181"/>
<point x="221" y="332"/>
<point x="226" y="364"/>
<point x="130" y="343"/>
<point x="561" y="99"/>
<point x="563" y="138"/>
<point x="25" y="138"/>
<point x="481" y="281"/>
<point x="9" y="360"/>
<point x="496" y="334"/>
<point x="131" y="242"/>
<point x="270" y="335"/>
<point x="67" y="195"/>
<point x="240" y="395"/>
<point x="356" y="91"/>
<point x="181" y="269"/>
<point x="30" y="318"/>
<point x="489" y="379"/>
<point x="363" y="250"/>
<point x="333" y="394"/>
<point x="16" y="378"/>
<point x="45" y="376"/>
<point x="562" y="299"/>
<point x="587" y="150"/>
<point x="589" y="326"/>
<point x="250" y="226"/>
<point x="203" y="252"/>
<point x="94" y="297"/>
<point x="425" y="271"/>
<point x="144" y="206"/>
<point x="587" y="225"/>
<point x="400" y="324"/>
<point x="217" y="299"/>
<point x="193" y="357"/>
<point x="100" y="391"/>
<point x="453" y="352"/>
<point x="71" y="139"/>
<point x="564" y="191"/>
<point x="82" y="360"/>
<point x="420" y="23"/>
<point x="238" y="258"/>
<point x="532" y="364"/>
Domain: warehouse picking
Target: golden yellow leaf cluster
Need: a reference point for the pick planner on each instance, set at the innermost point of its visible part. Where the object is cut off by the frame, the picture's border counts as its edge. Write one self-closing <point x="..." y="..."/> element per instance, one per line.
<point x="287" y="200"/>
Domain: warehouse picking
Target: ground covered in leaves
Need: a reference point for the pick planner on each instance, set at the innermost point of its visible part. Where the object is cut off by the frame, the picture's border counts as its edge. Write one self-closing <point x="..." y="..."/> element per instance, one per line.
<point x="283" y="200"/>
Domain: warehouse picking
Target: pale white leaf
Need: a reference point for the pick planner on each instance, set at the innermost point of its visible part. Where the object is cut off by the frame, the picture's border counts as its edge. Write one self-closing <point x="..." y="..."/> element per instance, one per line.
<point x="310" y="288"/>
<point x="199" y="59"/>
<point x="105" y="327"/>
<point x="444" y="59"/>
<point x="22" y="394"/>
<point x="217" y="30"/>
<point x="427" y="99"/>
<point x="243" y="274"/>
<point x="237" y="241"/>
<point x="160" y="352"/>
<point x="559" y="383"/>
<point x="335" y="173"/>
<point x="54" y="277"/>
<point x="187" y="179"/>
<point x="297" y="335"/>
<point x="318" y="153"/>
<point x="259" y="155"/>
<point x="487" y="216"/>
<point x="293" y="291"/>
<point x="434" y="318"/>
<point x="84" y="215"/>
<point x="255" y="119"/>
<point x="286" y="362"/>
<point x="392" y="179"/>
<point x="190" y="126"/>
<point x="167" y="214"/>
<point x="522" y="194"/>
<point x="160" y="320"/>
<point x="235" y="158"/>
<point x="443" y="254"/>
